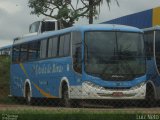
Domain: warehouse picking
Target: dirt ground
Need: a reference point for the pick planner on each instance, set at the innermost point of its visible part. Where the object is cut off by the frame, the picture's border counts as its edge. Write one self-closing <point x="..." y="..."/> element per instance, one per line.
<point x="61" y="109"/>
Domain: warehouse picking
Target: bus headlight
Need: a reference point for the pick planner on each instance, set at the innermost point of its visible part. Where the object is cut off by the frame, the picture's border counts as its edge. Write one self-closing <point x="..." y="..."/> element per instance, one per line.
<point x="88" y="84"/>
<point x="138" y="86"/>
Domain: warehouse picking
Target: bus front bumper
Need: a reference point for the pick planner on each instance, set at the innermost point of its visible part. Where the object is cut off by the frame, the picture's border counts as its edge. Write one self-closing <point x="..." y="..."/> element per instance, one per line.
<point x="91" y="91"/>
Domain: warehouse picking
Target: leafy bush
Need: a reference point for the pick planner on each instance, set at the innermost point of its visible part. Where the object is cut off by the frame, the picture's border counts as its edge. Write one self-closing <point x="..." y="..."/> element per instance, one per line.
<point x="4" y="75"/>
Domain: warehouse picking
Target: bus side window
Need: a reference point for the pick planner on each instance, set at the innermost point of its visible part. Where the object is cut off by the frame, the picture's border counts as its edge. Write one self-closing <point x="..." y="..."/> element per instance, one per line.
<point x="34" y="27"/>
<point x="64" y="47"/>
<point x="61" y="46"/>
<point x="33" y="51"/>
<point x="48" y="26"/>
<point x="149" y="38"/>
<point x="43" y="49"/>
<point x="15" y="56"/>
<point x="67" y="45"/>
<point x="157" y="49"/>
<point x="53" y="47"/>
<point x="77" y="51"/>
<point x="24" y="52"/>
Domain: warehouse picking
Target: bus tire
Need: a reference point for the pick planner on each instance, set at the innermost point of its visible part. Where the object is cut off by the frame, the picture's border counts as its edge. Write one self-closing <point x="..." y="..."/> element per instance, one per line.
<point x="150" y="96"/>
<point x="28" y="95"/>
<point x="65" y="95"/>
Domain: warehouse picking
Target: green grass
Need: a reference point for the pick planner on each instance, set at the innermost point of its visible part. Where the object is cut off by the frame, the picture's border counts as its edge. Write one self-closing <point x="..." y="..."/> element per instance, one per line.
<point x="5" y="81"/>
<point x="4" y="76"/>
<point x="4" y="69"/>
<point x="80" y="115"/>
<point x="9" y="100"/>
<point x="77" y="115"/>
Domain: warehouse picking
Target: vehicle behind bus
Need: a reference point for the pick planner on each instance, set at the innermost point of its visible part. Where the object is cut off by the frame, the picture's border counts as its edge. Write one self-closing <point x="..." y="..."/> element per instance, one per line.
<point x="152" y="43"/>
<point x="6" y="50"/>
<point x="42" y="26"/>
<point x="81" y="62"/>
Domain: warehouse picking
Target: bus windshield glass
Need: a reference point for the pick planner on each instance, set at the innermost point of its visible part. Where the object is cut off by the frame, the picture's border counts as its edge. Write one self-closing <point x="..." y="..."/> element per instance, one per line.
<point x="114" y="55"/>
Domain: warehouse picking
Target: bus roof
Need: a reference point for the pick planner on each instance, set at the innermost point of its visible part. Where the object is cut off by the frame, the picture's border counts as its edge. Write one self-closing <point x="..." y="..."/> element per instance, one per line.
<point x="5" y="47"/>
<point x="81" y="28"/>
<point x="152" y="28"/>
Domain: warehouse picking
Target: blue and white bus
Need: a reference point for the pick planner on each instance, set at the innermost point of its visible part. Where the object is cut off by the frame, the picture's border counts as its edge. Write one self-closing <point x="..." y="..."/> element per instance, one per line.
<point x="81" y="62"/>
<point x="152" y="43"/>
<point x="5" y="50"/>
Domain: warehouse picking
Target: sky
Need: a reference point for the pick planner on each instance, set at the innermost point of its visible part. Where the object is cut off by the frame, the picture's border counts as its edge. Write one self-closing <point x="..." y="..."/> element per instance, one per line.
<point x="15" y="16"/>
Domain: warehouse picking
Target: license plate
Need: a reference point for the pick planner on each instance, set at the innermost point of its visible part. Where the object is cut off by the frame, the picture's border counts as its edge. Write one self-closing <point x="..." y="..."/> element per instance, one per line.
<point x="117" y="94"/>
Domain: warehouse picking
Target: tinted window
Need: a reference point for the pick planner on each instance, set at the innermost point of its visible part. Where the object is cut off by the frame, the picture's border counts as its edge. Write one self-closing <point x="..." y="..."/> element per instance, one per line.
<point x="15" y="56"/>
<point x="33" y="52"/>
<point x="157" y="49"/>
<point x="114" y="53"/>
<point x="61" y="46"/>
<point x="48" y="26"/>
<point x="34" y="27"/>
<point x="149" y="37"/>
<point x="64" y="47"/>
<point x="53" y="47"/>
<point x="77" y="39"/>
<point x="77" y="51"/>
<point x="24" y="52"/>
<point x="43" y="49"/>
<point x="96" y="47"/>
<point x="67" y="45"/>
<point x="130" y="44"/>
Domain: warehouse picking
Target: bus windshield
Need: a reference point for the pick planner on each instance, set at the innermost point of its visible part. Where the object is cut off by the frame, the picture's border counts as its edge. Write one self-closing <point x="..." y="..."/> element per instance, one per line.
<point x="114" y="55"/>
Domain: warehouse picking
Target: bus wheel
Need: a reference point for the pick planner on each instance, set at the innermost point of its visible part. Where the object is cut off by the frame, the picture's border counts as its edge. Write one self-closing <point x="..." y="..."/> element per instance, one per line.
<point x="65" y="96"/>
<point x="150" y="96"/>
<point x="28" y="95"/>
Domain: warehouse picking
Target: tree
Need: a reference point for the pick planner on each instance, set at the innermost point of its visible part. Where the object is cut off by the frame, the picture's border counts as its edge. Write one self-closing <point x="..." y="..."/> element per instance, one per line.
<point x="93" y="4"/>
<point x="68" y="11"/>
